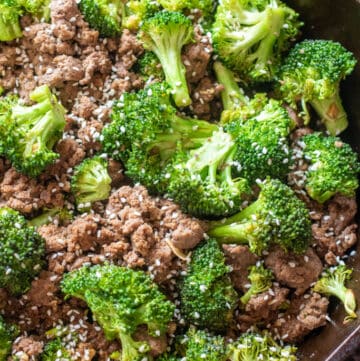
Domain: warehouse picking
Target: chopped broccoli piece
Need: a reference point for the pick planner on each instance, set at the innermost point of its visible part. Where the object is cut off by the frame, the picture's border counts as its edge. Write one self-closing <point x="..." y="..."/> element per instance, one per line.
<point x="253" y="346"/>
<point x="135" y="11"/>
<point x="91" y="182"/>
<point x="7" y="335"/>
<point x="332" y="283"/>
<point x="50" y="215"/>
<point x="261" y="131"/>
<point x="260" y="281"/>
<point x="201" y="180"/>
<point x="277" y="216"/>
<point x="150" y="67"/>
<point x="103" y="15"/>
<point x="208" y="298"/>
<point x="10" y="13"/>
<point x="311" y="74"/>
<point x="121" y="299"/>
<point x="196" y="343"/>
<point x="165" y="34"/>
<point x="21" y="252"/>
<point x="38" y="8"/>
<point x="333" y="167"/>
<point x="29" y="133"/>
<point x="55" y="350"/>
<point x="168" y="357"/>
<point x="250" y="35"/>
<point x="145" y="132"/>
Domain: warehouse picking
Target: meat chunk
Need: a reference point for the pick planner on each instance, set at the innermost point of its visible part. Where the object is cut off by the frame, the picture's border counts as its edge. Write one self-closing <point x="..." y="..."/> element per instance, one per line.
<point x="306" y="313"/>
<point x="293" y="270"/>
<point x="27" y="348"/>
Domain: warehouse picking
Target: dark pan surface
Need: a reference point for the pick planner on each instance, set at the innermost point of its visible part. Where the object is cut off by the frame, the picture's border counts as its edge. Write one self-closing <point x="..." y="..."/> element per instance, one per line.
<point x="337" y="20"/>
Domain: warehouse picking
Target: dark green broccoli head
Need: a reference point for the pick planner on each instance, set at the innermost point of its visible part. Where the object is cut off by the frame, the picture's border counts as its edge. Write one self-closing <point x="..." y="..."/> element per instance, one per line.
<point x="30" y="132"/>
<point x="333" y="167"/>
<point x="150" y="67"/>
<point x="145" y="132"/>
<point x="253" y="346"/>
<point x="10" y="13"/>
<point x="55" y="350"/>
<point x="277" y="216"/>
<point x="165" y="34"/>
<point x="103" y="15"/>
<point x="250" y="36"/>
<point x="91" y="182"/>
<point x="260" y="281"/>
<point x="311" y="73"/>
<point x="8" y="334"/>
<point x="21" y="252"/>
<point x="261" y="131"/>
<point x="199" y="345"/>
<point x="208" y="298"/>
<point x="332" y="283"/>
<point x="121" y="299"/>
<point x="200" y="180"/>
<point x="168" y="357"/>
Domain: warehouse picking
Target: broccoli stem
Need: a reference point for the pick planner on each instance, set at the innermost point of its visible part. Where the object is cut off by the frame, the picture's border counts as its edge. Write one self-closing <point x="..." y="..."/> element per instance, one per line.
<point x="131" y="349"/>
<point x="174" y="70"/>
<point x="347" y="297"/>
<point x="332" y="113"/>
<point x="9" y="29"/>
<point x="234" y="233"/>
<point x="232" y="96"/>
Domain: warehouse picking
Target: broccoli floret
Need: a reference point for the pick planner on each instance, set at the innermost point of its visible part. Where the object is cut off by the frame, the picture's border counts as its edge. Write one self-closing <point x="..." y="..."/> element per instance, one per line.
<point x="208" y="299"/>
<point x="198" y="345"/>
<point x="165" y="34"/>
<point x="253" y="346"/>
<point x="91" y="182"/>
<point x="51" y="215"/>
<point x="277" y="216"/>
<point x="333" y="167"/>
<point x="7" y="335"/>
<point x="21" y="252"/>
<point x="260" y="281"/>
<point x="30" y="132"/>
<point x="38" y="8"/>
<point x="145" y="132"/>
<point x="121" y="299"/>
<point x="232" y="96"/>
<point x="261" y="131"/>
<point x="201" y="180"/>
<point x="150" y="67"/>
<point x="103" y="15"/>
<point x="10" y="13"/>
<point x="168" y="357"/>
<point x="332" y="283"/>
<point x="250" y="35"/>
<point x="311" y="74"/>
<point x="55" y="350"/>
<point x="135" y="11"/>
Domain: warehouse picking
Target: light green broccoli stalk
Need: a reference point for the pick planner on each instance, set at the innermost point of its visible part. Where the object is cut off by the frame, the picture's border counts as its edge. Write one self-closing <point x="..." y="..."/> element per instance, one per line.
<point x="332" y="283"/>
<point x="165" y="34"/>
<point x="51" y="215"/>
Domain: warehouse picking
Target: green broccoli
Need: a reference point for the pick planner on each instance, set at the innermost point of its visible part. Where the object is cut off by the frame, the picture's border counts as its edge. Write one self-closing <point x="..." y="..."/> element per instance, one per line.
<point x="150" y="67"/>
<point x="165" y="34"/>
<point x="260" y="281"/>
<point x="10" y="13"/>
<point x="103" y="15"/>
<point x="199" y="345"/>
<point x="7" y="335"/>
<point x="201" y="181"/>
<point x="311" y="74"/>
<point x="208" y="298"/>
<point x="29" y="133"/>
<point x="261" y="131"/>
<point x="333" y="167"/>
<point x="277" y="216"/>
<point x="51" y="215"/>
<point x="250" y="35"/>
<point x="136" y="11"/>
<point x="145" y="132"/>
<point x="121" y="299"/>
<point x="91" y="182"/>
<point x="21" y="252"/>
<point x="37" y="8"/>
<point x="253" y="346"/>
<point x="55" y="350"/>
<point x="332" y="283"/>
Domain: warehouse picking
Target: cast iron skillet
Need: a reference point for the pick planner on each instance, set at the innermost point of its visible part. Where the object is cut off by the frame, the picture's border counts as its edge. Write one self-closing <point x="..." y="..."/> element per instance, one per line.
<point x="337" y="20"/>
